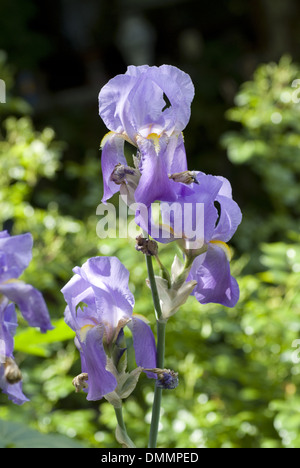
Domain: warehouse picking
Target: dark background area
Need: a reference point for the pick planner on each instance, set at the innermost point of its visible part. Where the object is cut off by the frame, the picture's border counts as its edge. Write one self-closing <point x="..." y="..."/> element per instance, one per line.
<point x="64" y="51"/>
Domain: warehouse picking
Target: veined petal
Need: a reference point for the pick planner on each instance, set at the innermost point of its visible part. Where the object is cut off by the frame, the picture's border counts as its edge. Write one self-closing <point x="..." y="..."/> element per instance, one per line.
<point x="93" y="362"/>
<point x="154" y="183"/>
<point x="109" y="274"/>
<point x="230" y="218"/>
<point x="146" y="104"/>
<point x="112" y="154"/>
<point x="179" y="89"/>
<point x="194" y="210"/>
<point x="77" y="290"/>
<point x="101" y="282"/>
<point x="230" y="213"/>
<point x="8" y="326"/>
<point x="14" y="392"/>
<point x="15" y="255"/>
<point x="30" y="302"/>
<point x="144" y="344"/>
<point x="175" y="155"/>
<point x="136" y="99"/>
<point x="113" y="102"/>
<point x="132" y="70"/>
<point x="214" y="281"/>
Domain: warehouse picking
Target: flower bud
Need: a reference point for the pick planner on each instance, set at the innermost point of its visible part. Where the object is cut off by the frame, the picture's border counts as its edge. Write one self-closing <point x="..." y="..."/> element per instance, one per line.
<point x="167" y="378"/>
<point x="12" y="373"/>
<point x="146" y="246"/>
<point x="79" y="382"/>
<point x="186" y="177"/>
<point x="120" y="172"/>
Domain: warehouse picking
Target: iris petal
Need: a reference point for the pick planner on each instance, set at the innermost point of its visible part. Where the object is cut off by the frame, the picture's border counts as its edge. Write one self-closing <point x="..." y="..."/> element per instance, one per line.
<point x="30" y="302"/>
<point x="144" y="344"/>
<point x="214" y="281"/>
<point x="112" y="154"/>
<point x="154" y="183"/>
<point x="93" y="360"/>
<point x="15" y="255"/>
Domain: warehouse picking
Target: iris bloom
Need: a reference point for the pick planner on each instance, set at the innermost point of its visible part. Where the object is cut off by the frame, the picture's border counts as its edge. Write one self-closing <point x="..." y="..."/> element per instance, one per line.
<point x="15" y="256"/>
<point x="211" y="269"/>
<point x="149" y="107"/>
<point x="99" y="306"/>
<point x="206" y="248"/>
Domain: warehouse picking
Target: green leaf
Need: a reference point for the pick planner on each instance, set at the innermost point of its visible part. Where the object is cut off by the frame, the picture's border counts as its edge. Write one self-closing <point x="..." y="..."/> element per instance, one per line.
<point x="81" y="306"/>
<point x="123" y="438"/>
<point x="15" y="435"/>
<point x="32" y="341"/>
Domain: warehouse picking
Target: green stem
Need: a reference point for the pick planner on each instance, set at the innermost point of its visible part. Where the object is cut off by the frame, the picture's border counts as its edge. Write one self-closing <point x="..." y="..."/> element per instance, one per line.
<point x="119" y="415"/>
<point x="153" y="287"/>
<point x="123" y="438"/>
<point x="161" y="334"/>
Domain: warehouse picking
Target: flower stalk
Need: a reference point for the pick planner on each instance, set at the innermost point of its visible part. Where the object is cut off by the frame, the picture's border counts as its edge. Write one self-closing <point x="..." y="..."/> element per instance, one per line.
<point x="121" y="431"/>
<point x="161" y="338"/>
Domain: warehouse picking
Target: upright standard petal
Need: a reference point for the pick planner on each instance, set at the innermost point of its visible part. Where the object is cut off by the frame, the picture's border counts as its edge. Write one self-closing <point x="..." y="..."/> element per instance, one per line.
<point x="108" y="275"/>
<point x="179" y="89"/>
<point x="113" y="102"/>
<point x="136" y="99"/>
<point x="101" y="284"/>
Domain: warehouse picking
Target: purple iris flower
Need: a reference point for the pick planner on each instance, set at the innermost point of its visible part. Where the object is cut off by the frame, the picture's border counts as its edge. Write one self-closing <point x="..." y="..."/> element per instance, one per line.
<point x="15" y="256"/>
<point x="149" y="107"/>
<point x="202" y="220"/>
<point x="99" y="306"/>
<point x="211" y="269"/>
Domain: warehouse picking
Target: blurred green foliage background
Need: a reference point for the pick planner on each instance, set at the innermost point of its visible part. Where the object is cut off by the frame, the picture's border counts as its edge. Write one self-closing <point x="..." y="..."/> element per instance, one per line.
<point x="239" y="370"/>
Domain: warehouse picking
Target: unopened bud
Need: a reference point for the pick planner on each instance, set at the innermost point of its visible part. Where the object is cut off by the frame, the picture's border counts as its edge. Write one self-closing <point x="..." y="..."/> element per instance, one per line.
<point x="186" y="177"/>
<point x="80" y="382"/>
<point x="167" y="378"/>
<point x="146" y="246"/>
<point x="12" y="373"/>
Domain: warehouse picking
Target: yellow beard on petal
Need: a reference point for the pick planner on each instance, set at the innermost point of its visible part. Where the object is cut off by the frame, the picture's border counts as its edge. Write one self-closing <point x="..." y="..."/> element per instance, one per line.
<point x="226" y="249"/>
<point x="155" y="138"/>
<point x="108" y="135"/>
<point x="84" y="330"/>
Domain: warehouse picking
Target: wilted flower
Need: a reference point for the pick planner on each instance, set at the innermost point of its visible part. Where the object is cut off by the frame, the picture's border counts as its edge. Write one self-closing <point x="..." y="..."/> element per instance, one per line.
<point x="15" y="256"/>
<point x="99" y="306"/>
<point x="147" y="107"/>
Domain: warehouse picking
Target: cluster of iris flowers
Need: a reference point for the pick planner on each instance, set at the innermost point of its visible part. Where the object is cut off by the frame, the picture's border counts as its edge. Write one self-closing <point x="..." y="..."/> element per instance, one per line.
<point x="147" y="107"/>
